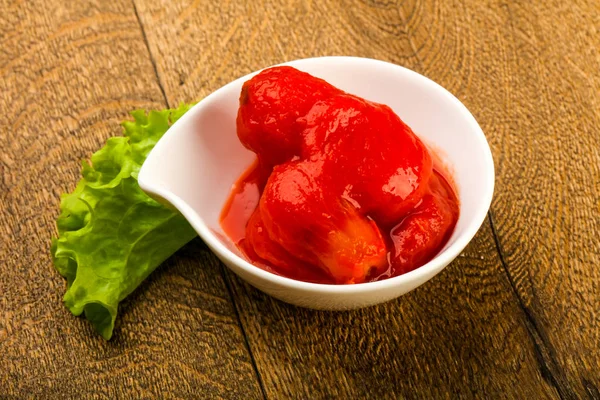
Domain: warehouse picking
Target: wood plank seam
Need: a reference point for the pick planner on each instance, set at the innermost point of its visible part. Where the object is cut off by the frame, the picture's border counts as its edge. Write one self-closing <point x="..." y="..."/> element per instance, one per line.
<point x="544" y="351"/>
<point x="223" y="274"/>
<point x="254" y="309"/>
<point x="535" y="325"/>
<point x="241" y="324"/>
<point x="152" y="60"/>
<point x="75" y="69"/>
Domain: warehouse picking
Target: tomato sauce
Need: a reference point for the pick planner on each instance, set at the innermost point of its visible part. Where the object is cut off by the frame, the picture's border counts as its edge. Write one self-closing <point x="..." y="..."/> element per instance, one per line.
<point x="342" y="190"/>
<point x="242" y="202"/>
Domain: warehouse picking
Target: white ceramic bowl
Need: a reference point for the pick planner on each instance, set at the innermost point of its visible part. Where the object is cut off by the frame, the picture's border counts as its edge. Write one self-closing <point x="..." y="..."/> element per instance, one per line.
<point x="195" y="164"/>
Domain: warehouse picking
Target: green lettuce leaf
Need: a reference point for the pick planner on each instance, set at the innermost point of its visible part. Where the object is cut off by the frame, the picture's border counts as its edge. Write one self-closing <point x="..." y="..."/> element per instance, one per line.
<point x="111" y="235"/>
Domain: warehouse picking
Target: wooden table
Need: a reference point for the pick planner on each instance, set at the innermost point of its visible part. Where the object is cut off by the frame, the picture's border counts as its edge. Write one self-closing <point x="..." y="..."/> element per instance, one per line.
<point x="517" y="315"/>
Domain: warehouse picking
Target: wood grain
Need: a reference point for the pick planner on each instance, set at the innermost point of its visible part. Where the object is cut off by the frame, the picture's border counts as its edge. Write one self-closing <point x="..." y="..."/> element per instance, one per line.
<point x="69" y="72"/>
<point x="460" y="336"/>
<point x="300" y="353"/>
<point x="530" y="75"/>
<point x="201" y="45"/>
<point x="516" y="316"/>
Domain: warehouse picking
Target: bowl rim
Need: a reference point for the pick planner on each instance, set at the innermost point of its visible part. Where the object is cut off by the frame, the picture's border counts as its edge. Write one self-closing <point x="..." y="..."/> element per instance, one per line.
<point x="422" y="273"/>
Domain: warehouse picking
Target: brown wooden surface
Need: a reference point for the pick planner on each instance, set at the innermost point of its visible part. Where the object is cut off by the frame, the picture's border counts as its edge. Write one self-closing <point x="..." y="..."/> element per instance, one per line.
<point x="516" y="316"/>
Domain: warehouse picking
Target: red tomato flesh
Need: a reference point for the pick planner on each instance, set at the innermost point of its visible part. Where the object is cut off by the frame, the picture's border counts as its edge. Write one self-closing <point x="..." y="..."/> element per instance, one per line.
<point x="343" y="190"/>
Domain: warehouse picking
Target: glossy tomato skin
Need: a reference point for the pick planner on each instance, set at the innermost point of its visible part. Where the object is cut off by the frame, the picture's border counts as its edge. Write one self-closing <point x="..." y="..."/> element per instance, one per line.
<point x="270" y="104"/>
<point x="378" y="162"/>
<point x="346" y="192"/>
<point x="423" y="232"/>
<point x="307" y="219"/>
<point x="260" y="247"/>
